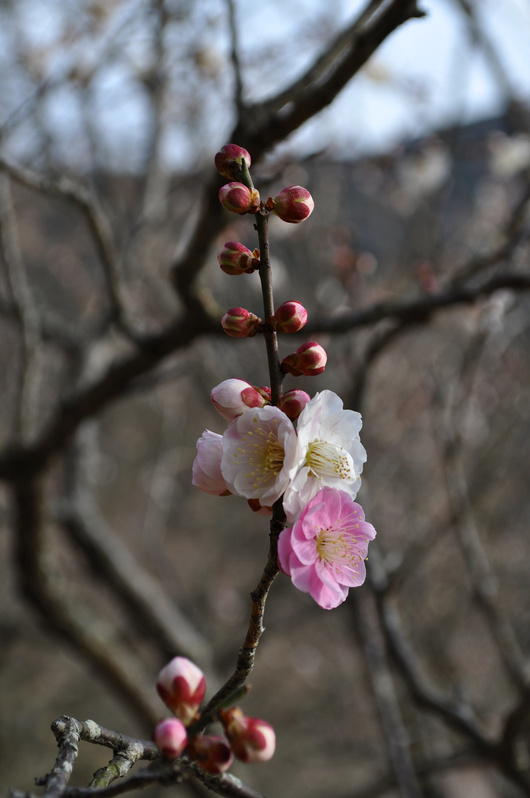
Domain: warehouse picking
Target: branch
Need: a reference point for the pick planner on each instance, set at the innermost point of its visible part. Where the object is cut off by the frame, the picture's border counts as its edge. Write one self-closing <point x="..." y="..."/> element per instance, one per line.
<point x="97" y="221"/>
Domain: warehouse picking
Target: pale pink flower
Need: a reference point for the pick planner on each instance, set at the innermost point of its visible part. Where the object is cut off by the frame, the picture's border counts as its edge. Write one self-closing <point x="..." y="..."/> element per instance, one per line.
<point x="181" y="685"/>
<point x="170" y="737"/>
<point x="324" y="551"/>
<point x="255" y="446"/>
<point x="233" y="397"/>
<point x="207" y="464"/>
<point x="251" y="739"/>
<point x="329" y="452"/>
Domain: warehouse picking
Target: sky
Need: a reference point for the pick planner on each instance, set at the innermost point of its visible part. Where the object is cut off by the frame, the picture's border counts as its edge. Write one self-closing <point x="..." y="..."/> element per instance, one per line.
<point x="428" y="74"/>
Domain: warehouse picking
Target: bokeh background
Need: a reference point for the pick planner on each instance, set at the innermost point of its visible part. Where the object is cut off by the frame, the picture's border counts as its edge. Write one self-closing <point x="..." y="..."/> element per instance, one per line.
<point x="418" y="684"/>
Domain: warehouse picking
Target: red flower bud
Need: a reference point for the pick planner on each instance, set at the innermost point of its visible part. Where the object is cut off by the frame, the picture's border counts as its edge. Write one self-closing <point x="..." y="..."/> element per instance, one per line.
<point x="234" y="258"/>
<point x="229" y="160"/>
<point x="293" y="402"/>
<point x="237" y="198"/>
<point x="251" y="739"/>
<point x="181" y="686"/>
<point x="240" y="323"/>
<point x="170" y="737"/>
<point x="308" y="360"/>
<point x="212" y="752"/>
<point x="289" y="317"/>
<point x="293" y="204"/>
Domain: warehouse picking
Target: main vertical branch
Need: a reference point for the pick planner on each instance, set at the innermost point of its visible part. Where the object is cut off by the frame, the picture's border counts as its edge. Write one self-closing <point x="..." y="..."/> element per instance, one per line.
<point x="265" y="274"/>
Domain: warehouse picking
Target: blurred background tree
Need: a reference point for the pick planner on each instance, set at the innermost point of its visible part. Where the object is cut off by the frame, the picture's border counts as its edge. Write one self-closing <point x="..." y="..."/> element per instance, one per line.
<point x="414" y="267"/>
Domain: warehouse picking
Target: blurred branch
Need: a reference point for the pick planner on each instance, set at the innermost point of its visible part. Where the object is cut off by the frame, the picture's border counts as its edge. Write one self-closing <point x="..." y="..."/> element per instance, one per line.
<point x="411" y="310"/>
<point x="396" y="736"/>
<point x="234" y="55"/>
<point x="96" y="641"/>
<point x="97" y="221"/>
<point x="112" y="561"/>
<point x="25" y="311"/>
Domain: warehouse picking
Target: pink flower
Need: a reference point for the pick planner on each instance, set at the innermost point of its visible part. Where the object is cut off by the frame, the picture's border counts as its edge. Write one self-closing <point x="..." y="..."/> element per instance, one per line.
<point x="240" y="323"/>
<point x="289" y="317"/>
<point x="234" y="258"/>
<point x="230" y="159"/>
<point x="329" y="452"/>
<point x="170" y="737"/>
<point x="252" y="739"/>
<point x="293" y="204"/>
<point x="181" y="686"/>
<point x="232" y="397"/>
<point x="212" y="752"/>
<point x="324" y="551"/>
<point x="237" y="198"/>
<point x="207" y="465"/>
<point x="255" y="446"/>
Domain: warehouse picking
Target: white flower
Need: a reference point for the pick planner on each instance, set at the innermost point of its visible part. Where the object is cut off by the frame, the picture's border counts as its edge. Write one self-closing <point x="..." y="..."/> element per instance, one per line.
<point x="255" y="446"/>
<point x="328" y="454"/>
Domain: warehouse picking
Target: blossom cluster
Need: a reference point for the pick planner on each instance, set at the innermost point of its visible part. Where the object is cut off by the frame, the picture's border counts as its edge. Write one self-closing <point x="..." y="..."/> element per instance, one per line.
<point x="303" y="451"/>
<point x="314" y="468"/>
<point x="182" y="686"/>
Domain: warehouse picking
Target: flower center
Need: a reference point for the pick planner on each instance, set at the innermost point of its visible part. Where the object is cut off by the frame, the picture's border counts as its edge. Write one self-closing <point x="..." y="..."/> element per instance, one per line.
<point x="265" y="455"/>
<point x="329" y="460"/>
<point x="337" y="548"/>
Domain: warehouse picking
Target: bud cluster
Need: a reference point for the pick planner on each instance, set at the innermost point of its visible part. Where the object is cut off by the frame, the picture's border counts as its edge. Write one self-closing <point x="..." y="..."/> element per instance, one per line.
<point x="181" y="686"/>
<point x="293" y="204"/>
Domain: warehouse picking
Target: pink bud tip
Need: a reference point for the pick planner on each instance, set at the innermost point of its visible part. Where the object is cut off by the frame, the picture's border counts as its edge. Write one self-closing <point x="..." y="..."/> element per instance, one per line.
<point x="181" y="686"/>
<point x="234" y="258"/>
<point x="237" y="198"/>
<point x="232" y="397"/>
<point x="293" y="204"/>
<point x="170" y="737"/>
<point x="293" y="402"/>
<point x="308" y="360"/>
<point x="212" y="752"/>
<point x="289" y="317"/>
<point x="240" y="323"/>
<point x="251" y="739"/>
<point x="230" y="159"/>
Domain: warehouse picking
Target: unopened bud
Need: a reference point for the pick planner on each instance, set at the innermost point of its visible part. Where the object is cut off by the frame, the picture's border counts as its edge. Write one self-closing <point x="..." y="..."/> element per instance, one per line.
<point x="234" y="258"/>
<point x="293" y="402"/>
<point x="240" y="323"/>
<point x="293" y="204"/>
<point x="232" y="397"/>
<point x="237" y="198"/>
<point x="230" y="159"/>
<point x="251" y="739"/>
<point x="170" y="737"/>
<point x="308" y="360"/>
<point x="289" y="317"/>
<point x="212" y="752"/>
<point x="181" y="686"/>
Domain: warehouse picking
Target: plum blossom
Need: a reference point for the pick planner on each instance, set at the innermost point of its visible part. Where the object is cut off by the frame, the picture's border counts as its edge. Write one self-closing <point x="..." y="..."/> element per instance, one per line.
<point x="256" y="447"/>
<point x="207" y="464"/>
<point x="329" y="452"/>
<point x="170" y="737"/>
<point x="324" y="551"/>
